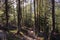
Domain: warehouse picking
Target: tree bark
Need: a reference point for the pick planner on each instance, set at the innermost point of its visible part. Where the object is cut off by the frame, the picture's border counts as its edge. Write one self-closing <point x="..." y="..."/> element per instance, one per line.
<point x="53" y="14"/>
<point x="6" y="12"/>
<point x="36" y="15"/>
<point x="19" y="15"/>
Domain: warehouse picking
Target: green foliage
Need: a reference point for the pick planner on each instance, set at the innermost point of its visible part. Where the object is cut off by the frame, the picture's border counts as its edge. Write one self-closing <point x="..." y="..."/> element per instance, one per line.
<point x="28" y="19"/>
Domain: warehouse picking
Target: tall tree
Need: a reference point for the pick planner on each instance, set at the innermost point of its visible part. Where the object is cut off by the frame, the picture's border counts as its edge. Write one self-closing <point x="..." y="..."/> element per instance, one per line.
<point x="19" y="16"/>
<point x="6" y="12"/>
<point x="35" y="17"/>
<point x="53" y="13"/>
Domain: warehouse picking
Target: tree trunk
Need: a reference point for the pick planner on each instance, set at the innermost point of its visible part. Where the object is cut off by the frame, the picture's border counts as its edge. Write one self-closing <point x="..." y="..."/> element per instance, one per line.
<point x="53" y="14"/>
<point x="6" y="12"/>
<point x="36" y="15"/>
<point x="19" y="16"/>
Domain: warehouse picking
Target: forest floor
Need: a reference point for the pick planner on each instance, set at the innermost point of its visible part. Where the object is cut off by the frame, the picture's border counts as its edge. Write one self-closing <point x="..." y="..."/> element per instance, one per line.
<point x="11" y="36"/>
